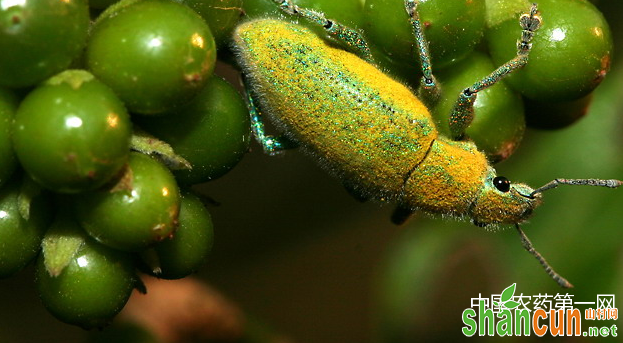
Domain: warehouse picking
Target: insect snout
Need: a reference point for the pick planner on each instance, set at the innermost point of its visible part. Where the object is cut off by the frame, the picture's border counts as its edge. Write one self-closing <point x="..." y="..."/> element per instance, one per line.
<point x="501" y="202"/>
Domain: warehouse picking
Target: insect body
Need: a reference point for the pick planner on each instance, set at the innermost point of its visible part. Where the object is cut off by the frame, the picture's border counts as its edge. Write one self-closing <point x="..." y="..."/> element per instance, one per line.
<point x="369" y="129"/>
<point x="372" y="131"/>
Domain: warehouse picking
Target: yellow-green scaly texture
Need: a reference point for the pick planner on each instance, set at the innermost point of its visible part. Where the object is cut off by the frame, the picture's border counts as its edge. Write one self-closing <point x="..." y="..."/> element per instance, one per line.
<point x="369" y="129"/>
<point x="449" y="179"/>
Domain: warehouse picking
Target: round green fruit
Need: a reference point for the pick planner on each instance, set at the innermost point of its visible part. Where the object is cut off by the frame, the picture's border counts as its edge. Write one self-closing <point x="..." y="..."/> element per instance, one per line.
<point x="189" y="248"/>
<point x="139" y="210"/>
<point x="72" y="133"/>
<point x="570" y="56"/>
<point x="155" y="54"/>
<point x="39" y="38"/>
<point x="20" y="238"/>
<point x="211" y="132"/>
<point x="94" y="283"/>
<point x="220" y="15"/>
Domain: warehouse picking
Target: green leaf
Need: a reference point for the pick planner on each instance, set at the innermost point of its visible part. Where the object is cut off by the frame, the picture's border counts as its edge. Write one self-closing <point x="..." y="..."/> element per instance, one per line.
<point x="124" y="182"/>
<point x="60" y="244"/>
<point x="507" y="294"/>
<point x="511" y="304"/>
<point x="147" y="144"/>
<point x="496" y="303"/>
<point x="28" y="192"/>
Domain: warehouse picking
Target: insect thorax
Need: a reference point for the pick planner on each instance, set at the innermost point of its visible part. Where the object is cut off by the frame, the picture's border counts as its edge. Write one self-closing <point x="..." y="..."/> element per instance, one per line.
<point x="449" y="179"/>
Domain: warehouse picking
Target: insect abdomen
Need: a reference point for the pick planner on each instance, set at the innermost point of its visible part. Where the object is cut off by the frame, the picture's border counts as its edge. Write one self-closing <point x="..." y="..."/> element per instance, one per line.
<point x="369" y="129"/>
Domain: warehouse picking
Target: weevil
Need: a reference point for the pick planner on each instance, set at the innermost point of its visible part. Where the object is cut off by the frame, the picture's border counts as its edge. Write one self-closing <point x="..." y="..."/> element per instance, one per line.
<point x="373" y="132"/>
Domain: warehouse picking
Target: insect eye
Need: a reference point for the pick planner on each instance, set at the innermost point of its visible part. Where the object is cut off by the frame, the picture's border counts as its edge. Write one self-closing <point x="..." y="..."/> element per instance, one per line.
<point x="502" y="184"/>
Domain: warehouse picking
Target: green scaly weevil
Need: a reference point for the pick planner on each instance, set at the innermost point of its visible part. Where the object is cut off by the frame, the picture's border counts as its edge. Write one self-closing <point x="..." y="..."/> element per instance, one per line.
<point x="372" y="131"/>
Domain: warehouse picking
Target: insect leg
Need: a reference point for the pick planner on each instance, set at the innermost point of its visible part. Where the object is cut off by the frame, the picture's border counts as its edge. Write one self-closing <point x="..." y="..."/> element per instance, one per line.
<point x="463" y="111"/>
<point x="343" y="33"/>
<point x="429" y="89"/>
<point x="352" y="189"/>
<point x="401" y="214"/>
<point x="271" y="145"/>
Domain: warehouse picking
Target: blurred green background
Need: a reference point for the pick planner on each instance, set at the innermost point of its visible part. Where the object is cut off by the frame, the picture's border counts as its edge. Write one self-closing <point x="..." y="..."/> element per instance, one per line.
<point x="295" y="250"/>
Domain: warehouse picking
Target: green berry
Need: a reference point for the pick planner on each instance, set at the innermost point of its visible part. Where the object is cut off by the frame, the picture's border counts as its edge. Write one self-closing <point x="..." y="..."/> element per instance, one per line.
<point x="136" y="212"/>
<point x="211" y="132"/>
<point x="570" y="56"/>
<point x="39" y="38"/>
<point x="72" y="133"/>
<point x="189" y="248"/>
<point x="220" y="15"/>
<point x="155" y="54"/>
<point x="20" y="237"/>
<point x="93" y="285"/>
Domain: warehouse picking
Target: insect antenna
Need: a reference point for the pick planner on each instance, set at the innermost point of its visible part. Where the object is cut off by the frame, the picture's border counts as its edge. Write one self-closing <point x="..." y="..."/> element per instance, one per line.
<point x="582" y="182"/>
<point x="562" y="282"/>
